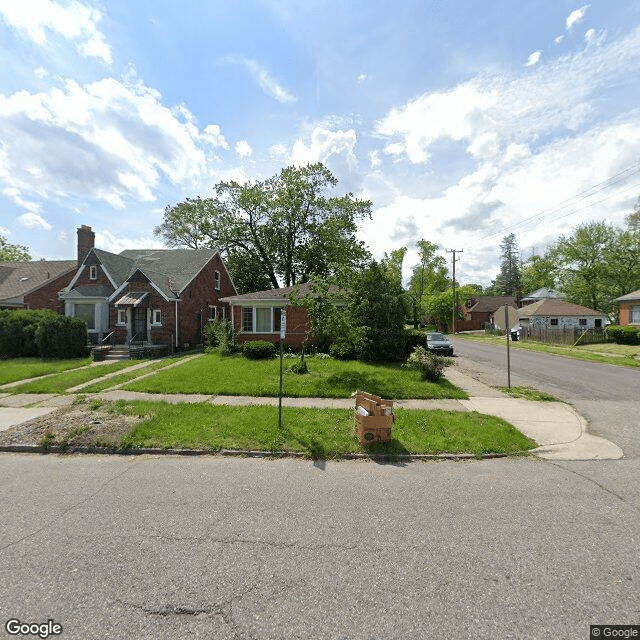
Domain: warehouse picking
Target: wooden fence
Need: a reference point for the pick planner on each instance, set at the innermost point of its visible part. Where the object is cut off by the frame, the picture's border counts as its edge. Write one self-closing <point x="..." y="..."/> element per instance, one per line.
<point x="564" y="335"/>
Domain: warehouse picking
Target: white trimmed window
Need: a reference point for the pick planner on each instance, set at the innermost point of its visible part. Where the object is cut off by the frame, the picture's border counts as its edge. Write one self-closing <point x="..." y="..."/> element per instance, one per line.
<point x="217" y="278"/>
<point x="156" y="316"/>
<point x="93" y="272"/>
<point x="634" y="315"/>
<point x="261" y="319"/>
<point x="122" y="316"/>
<point x="86" y="312"/>
<point x="213" y="312"/>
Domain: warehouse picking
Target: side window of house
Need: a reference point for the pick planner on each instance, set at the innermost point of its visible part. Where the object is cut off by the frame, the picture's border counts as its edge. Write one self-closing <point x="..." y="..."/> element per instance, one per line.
<point x="277" y="319"/>
<point x="122" y="316"/>
<point x="554" y="322"/>
<point x="634" y="315"/>
<point x="217" y="277"/>
<point x="583" y="322"/>
<point x="247" y="320"/>
<point x="213" y="312"/>
<point x="156" y="318"/>
<point x="93" y="272"/>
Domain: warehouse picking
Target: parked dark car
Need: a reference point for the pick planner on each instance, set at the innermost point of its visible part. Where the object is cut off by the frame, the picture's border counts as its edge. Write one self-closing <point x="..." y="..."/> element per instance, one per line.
<point x="439" y="344"/>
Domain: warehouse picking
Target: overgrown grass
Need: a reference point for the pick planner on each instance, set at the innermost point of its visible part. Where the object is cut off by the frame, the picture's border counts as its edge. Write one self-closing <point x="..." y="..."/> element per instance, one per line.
<point x="63" y="381"/>
<point x="528" y="393"/>
<point x="101" y="385"/>
<point x="14" y="369"/>
<point x="605" y="353"/>
<point x="317" y="433"/>
<point x="327" y="378"/>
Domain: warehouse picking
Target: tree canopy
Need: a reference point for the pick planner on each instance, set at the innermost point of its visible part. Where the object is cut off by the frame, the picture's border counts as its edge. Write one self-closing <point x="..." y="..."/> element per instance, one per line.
<point x="286" y="228"/>
<point x="13" y="252"/>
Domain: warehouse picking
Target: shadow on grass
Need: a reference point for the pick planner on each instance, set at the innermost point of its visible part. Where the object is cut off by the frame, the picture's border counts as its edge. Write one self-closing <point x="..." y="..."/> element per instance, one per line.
<point x="353" y="380"/>
<point x="388" y="452"/>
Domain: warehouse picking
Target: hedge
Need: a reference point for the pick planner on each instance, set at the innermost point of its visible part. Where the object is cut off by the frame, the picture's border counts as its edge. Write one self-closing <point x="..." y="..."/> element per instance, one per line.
<point x="258" y="349"/>
<point x="623" y="335"/>
<point x="42" y="333"/>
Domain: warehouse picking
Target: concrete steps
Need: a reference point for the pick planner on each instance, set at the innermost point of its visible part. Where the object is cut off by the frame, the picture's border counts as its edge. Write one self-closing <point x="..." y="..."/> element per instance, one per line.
<point x="119" y="352"/>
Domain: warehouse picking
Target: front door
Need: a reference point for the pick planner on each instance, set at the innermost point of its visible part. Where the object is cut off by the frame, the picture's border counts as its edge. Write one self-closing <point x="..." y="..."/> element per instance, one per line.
<point x="139" y="324"/>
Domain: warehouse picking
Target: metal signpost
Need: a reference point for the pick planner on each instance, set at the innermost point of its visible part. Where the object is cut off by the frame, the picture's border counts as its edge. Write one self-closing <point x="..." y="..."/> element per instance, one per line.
<point x="283" y="331"/>
<point x="507" y="328"/>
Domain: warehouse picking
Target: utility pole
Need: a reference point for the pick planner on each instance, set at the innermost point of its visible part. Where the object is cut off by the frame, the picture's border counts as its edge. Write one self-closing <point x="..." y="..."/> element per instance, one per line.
<point x="453" y="261"/>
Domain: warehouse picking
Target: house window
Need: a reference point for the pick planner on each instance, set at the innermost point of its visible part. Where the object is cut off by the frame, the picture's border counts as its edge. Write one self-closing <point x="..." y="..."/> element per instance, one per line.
<point x="261" y="319"/>
<point x="597" y="323"/>
<point x="247" y="319"/>
<point x="93" y="272"/>
<point x="217" y="277"/>
<point x="223" y="313"/>
<point x="582" y="322"/>
<point x="122" y="316"/>
<point x="156" y="317"/>
<point x="553" y="322"/>
<point x="213" y="312"/>
<point x="634" y="315"/>
<point x="87" y="312"/>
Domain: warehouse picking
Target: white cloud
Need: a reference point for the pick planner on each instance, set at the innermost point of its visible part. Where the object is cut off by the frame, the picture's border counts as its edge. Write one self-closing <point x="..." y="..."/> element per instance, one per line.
<point x="374" y="159"/>
<point x="558" y="40"/>
<point x="516" y="108"/>
<point x="533" y="59"/>
<point x="102" y="140"/>
<point x="361" y="78"/>
<point x="324" y="145"/>
<point x="73" y="21"/>
<point x="576" y="16"/>
<point x="41" y="73"/>
<point x="34" y="221"/>
<point x="213" y="136"/>
<point x="278" y="151"/>
<point x="591" y="37"/>
<point x="243" y="149"/>
<point x="267" y="82"/>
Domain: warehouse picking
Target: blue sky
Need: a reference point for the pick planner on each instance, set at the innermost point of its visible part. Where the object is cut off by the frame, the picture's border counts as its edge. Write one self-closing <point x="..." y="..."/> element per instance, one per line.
<point x="461" y="121"/>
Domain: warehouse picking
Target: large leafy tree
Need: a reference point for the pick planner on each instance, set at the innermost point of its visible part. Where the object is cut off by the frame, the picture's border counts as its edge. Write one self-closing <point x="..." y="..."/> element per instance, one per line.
<point x="287" y="228"/>
<point x="430" y="276"/>
<point x="12" y="252"/>
<point x="508" y="282"/>
<point x="538" y="272"/>
<point x="633" y="219"/>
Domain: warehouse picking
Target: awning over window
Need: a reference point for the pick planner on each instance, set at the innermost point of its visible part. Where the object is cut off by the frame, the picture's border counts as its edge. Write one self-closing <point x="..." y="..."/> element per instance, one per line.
<point x="133" y="299"/>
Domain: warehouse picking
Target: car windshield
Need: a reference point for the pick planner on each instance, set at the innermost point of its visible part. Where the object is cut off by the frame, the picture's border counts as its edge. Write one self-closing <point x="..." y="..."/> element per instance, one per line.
<point x="436" y="337"/>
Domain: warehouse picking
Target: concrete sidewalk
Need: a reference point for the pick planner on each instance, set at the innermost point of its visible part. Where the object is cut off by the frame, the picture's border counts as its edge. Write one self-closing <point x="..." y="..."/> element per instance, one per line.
<point x="559" y="430"/>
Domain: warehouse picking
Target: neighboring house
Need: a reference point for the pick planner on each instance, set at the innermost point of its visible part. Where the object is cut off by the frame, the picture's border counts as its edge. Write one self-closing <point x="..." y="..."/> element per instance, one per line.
<point x="480" y="311"/>
<point x="34" y="284"/>
<point x="559" y="315"/>
<point x="629" y="308"/>
<point x="257" y="316"/>
<point x="154" y="296"/>
<point x="541" y="294"/>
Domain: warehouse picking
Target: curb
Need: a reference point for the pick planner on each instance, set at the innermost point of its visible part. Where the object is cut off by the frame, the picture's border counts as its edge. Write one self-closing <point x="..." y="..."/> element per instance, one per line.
<point x="248" y="453"/>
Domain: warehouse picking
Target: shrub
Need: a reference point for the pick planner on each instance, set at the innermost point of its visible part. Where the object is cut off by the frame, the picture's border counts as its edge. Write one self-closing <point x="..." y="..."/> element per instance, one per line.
<point x="300" y="367"/>
<point x="623" y="335"/>
<point x="415" y="338"/>
<point x="258" y="350"/>
<point x="430" y="366"/>
<point x="219" y="334"/>
<point x="43" y="333"/>
<point x="343" y="350"/>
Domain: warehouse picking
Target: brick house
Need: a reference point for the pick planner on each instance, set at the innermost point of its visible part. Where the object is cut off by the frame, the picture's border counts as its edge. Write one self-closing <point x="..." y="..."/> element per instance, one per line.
<point x="257" y="315"/>
<point x="480" y="310"/>
<point x="155" y="296"/>
<point x="34" y="284"/>
<point x="629" y="308"/>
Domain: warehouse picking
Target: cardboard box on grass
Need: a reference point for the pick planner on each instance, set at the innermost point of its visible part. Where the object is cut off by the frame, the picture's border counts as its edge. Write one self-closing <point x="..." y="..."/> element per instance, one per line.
<point x="376" y="427"/>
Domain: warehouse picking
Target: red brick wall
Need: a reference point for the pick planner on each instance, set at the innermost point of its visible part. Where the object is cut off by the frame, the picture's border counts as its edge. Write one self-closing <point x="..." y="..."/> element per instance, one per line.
<point x="297" y="326"/>
<point x="201" y="293"/>
<point x="46" y="297"/>
<point x="101" y="277"/>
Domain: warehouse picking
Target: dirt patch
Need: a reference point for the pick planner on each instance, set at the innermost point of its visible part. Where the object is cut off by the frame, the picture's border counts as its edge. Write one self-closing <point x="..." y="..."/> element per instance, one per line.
<point x="85" y="424"/>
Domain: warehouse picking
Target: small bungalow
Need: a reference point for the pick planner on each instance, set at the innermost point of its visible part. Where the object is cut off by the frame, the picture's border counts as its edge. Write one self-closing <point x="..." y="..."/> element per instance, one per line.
<point x="34" y="284"/>
<point x="629" y="308"/>
<point x="559" y="315"/>
<point x="258" y="315"/>
<point x="480" y="311"/>
<point x="147" y="296"/>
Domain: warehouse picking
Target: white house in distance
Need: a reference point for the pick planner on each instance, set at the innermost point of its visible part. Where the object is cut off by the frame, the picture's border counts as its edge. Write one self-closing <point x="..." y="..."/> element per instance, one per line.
<point x="558" y="314"/>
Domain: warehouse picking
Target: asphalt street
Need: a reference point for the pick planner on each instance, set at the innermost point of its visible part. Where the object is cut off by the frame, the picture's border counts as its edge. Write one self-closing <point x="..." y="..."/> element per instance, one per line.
<point x="210" y="547"/>
<point x="608" y="396"/>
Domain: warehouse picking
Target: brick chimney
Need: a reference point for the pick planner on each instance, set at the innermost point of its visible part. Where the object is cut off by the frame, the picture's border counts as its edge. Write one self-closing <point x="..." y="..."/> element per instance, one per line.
<point x="86" y="242"/>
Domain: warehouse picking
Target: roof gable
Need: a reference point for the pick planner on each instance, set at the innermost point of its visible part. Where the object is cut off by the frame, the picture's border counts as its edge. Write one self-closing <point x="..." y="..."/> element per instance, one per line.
<point x="490" y="304"/>
<point x="17" y="279"/>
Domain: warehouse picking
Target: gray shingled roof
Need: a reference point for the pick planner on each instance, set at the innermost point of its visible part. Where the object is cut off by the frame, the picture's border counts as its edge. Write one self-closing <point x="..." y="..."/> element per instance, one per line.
<point x="634" y="295"/>
<point x="556" y="308"/>
<point x="544" y="294"/>
<point x="491" y="304"/>
<point x="302" y="289"/>
<point x="17" y="279"/>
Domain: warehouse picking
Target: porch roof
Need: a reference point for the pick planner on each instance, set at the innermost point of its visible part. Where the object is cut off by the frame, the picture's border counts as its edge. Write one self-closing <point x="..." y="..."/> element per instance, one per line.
<point x="132" y="298"/>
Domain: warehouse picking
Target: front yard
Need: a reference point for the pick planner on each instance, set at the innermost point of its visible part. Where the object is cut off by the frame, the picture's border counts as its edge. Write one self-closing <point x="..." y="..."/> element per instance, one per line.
<point x="327" y="378"/>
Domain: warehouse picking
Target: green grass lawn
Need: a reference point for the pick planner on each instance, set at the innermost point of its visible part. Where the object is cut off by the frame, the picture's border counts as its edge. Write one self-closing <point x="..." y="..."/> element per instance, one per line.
<point x="63" y="381"/>
<point x="607" y="353"/>
<point x="317" y="433"/>
<point x="101" y="385"/>
<point x="15" y="369"/>
<point x="327" y="378"/>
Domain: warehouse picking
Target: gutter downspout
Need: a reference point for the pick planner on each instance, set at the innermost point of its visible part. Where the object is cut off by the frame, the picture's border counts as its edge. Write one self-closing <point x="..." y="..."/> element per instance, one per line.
<point x="176" y="323"/>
